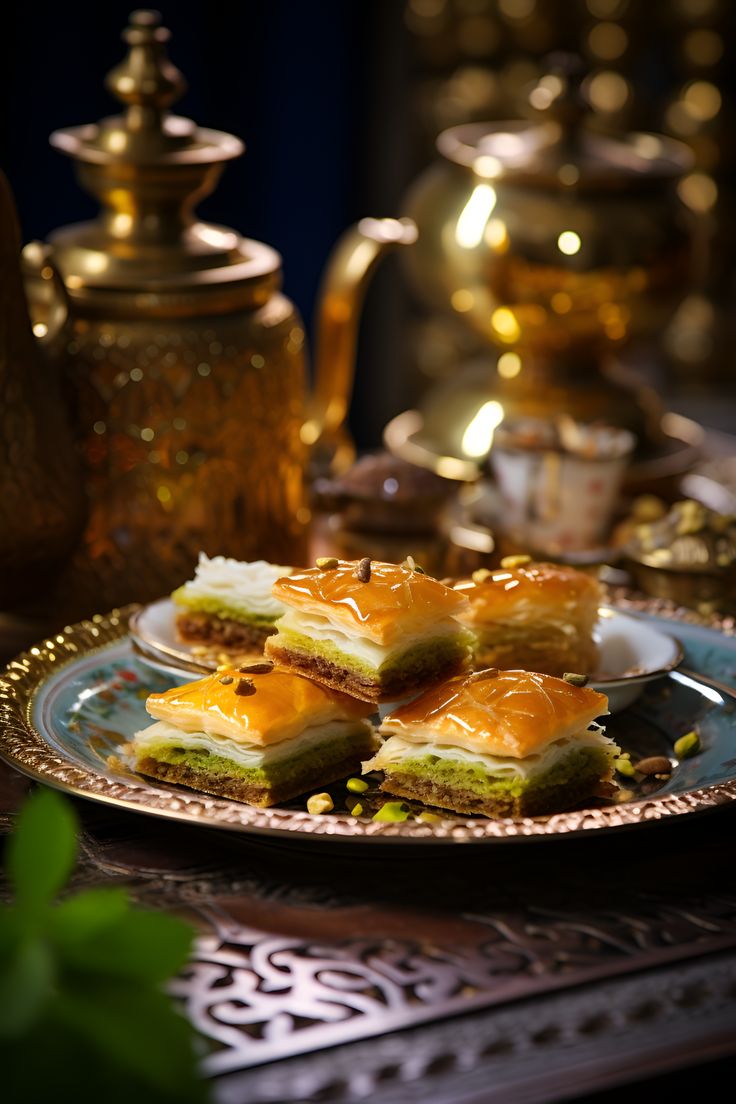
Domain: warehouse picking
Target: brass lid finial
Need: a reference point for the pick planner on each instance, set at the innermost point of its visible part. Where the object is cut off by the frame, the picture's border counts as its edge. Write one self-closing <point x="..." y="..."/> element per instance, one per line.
<point x="146" y="80"/>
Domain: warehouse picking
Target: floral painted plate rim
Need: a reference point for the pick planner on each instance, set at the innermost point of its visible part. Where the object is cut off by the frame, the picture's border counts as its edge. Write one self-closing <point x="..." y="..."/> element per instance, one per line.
<point x="23" y="746"/>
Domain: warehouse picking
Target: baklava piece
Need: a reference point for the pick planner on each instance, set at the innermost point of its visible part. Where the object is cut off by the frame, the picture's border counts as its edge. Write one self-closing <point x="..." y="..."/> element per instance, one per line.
<point x="228" y="604"/>
<point x="258" y="735"/>
<point x="533" y="616"/>
<point x="375" y="630"/>
<point x="502" y="743"/>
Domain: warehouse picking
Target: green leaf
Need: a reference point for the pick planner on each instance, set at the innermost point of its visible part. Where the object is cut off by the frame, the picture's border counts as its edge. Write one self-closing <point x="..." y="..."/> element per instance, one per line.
<point x="58" y="1065"/>
<point x="12" y="930"/>
<point x="149" y="946"/>
<point x="87" y="914"/>
<point x="42" y="851"/>
<point x="138" y="1031"/>
<point x="26" y="984"/>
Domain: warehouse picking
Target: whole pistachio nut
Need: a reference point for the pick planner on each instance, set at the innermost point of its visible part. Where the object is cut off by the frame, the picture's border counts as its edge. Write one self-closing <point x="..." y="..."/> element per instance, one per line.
<point x="688" y="745"/>
<point x="654" y="764"/>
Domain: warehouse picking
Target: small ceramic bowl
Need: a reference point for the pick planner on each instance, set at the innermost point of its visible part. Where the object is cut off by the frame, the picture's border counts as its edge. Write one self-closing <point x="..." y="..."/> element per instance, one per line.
<point x="632" y="653"/>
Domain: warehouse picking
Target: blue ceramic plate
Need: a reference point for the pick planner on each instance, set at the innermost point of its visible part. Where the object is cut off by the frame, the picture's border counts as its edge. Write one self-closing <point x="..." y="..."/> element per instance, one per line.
<point x="67" y="706"/>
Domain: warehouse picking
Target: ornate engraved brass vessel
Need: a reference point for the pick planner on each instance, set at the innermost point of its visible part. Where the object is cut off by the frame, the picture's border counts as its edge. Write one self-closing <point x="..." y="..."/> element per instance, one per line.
<point x="41" y="500"/>
<point x="185" y="362"/>
<point x="555" y="245"/>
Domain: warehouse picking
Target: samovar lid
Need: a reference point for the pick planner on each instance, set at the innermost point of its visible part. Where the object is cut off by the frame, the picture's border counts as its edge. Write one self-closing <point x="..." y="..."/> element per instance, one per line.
<point x="558" y="148"/>
<point x="146" y="166"/>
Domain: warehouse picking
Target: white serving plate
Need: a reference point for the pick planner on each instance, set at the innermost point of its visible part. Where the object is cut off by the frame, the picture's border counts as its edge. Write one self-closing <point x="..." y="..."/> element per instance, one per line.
<point x="632" y="652"/>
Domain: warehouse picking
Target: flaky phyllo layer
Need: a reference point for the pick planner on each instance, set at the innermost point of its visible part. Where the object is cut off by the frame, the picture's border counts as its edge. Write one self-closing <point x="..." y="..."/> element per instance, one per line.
<point x="234" y="590"/>
<point x="268" y="765"/>
<point x="457" y="767"/>
<point x="314" y="635"/>
<point x="552" y="647"/>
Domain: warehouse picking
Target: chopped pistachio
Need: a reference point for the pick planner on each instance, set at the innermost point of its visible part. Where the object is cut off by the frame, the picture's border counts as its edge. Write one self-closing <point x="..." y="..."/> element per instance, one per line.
<point x="648" y="507"/>
<point x="363" y="570"/>
<point x="624" y="766"/>
<point x="508" y="563"/>
<point x="226" y="680"/>
<point x="411" y="564"/>
<point x="320" y="803"/>
<point x="660" y="557"/>
<point x="688" y="745"/>
<point x="575" y="679"/>
<point x="481" y="575"/>
<point x="327" y="563"/>
<point x="392" y="811"/>
<point x="429" y="818"/>
<point x="357" y="809"/>
<point x="356" y="785"/>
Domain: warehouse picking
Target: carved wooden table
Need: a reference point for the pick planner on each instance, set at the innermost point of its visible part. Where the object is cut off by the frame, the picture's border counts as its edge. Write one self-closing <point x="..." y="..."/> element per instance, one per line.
<point x="526" y="972"/>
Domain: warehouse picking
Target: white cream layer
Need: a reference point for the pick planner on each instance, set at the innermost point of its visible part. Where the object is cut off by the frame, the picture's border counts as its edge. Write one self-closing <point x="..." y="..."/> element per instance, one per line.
<point x="246" y="755"/>
<point x="396" y="749"/>
<point x="236" y="585"/>
<point x="319" y="628"/>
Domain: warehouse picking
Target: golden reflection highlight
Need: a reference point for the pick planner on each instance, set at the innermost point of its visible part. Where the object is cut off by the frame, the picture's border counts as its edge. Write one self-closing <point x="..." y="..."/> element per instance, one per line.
<point x="608" y="91"/>
<point x="569" y="243"/>
<point x="497" y="236"/>
<point x="478" y="437"/>
<point x="474" y="216"/>
<point x="509" y="365"/>
<point x="505" y="325"/>
<point x="462" y="300"/>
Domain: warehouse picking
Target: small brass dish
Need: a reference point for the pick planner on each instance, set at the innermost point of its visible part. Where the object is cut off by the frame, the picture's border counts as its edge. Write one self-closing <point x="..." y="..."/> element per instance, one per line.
<point x="688" y="556"/>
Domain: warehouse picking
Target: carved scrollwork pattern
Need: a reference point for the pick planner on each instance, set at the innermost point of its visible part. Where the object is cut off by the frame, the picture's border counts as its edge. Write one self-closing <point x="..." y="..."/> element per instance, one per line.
<point x="258" y="996"/>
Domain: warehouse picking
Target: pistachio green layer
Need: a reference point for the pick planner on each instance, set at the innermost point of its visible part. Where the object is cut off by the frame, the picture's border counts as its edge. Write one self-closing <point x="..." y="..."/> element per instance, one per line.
<point x="469" y="777"/>
<point x="441" y="650"/>
<point x="284" y="770"/>
<point x="218" y="608"/>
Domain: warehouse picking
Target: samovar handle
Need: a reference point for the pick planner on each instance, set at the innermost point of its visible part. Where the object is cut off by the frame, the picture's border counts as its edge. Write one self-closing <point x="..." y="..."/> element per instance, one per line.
<point x="350" y="266"/>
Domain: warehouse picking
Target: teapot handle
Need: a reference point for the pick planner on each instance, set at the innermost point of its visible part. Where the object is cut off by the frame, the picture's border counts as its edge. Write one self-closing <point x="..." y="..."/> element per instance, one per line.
<point x="51" y="294"/>
<point x="344" y="283"/>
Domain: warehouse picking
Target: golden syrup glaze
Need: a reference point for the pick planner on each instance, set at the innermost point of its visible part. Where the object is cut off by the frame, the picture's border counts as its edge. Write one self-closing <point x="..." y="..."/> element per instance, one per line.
<point x="283" y="705"/>
<point x="550" y="589"/>
<point x="395" y="602"/>
<point x="504" y="713"/>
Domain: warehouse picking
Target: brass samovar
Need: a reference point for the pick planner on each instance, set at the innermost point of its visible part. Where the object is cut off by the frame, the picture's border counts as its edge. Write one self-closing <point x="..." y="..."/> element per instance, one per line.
<point x="551" y="246"/>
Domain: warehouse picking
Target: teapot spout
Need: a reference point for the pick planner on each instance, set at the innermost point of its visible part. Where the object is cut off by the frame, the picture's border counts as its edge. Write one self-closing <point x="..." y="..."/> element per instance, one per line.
<point x="344" y="284"/>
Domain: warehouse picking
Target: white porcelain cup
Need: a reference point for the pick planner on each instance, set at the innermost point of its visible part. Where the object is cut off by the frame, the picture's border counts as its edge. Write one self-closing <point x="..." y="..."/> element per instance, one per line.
<point x="555" y="500"/>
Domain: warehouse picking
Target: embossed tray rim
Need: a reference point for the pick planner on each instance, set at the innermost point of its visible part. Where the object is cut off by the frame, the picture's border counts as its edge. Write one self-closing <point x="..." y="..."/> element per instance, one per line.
<point x="23" y="747"/>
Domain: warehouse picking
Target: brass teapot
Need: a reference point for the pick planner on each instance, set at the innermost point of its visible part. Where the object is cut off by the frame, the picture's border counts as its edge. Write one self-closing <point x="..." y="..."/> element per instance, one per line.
<point x="185" y="361"/>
